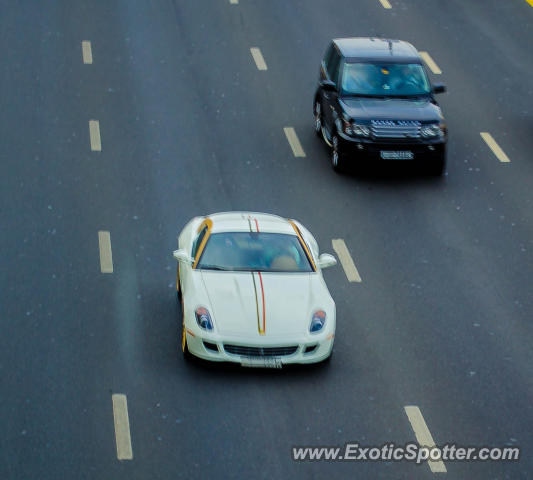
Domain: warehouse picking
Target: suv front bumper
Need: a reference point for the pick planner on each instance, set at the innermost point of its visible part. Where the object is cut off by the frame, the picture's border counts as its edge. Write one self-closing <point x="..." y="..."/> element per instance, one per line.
<point x="358" y="149"/>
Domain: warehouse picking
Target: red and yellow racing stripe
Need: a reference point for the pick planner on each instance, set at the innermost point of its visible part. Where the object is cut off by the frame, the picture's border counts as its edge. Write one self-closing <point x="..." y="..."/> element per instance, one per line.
<point x="303" y="244"/>
<point x="209" y="224"/>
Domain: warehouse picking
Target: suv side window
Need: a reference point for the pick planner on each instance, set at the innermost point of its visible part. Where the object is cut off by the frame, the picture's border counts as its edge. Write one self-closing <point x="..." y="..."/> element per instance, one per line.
<point x="333" y="65"/>
<point x="198" y="241"/>
<point x="328" y="55"/>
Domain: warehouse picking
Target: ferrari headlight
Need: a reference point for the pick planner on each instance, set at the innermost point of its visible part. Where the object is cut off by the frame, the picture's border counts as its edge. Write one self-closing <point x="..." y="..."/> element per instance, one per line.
<point x="317" y="321"/>
<point x="203" y="319"/>
<point x="433" y="130"/>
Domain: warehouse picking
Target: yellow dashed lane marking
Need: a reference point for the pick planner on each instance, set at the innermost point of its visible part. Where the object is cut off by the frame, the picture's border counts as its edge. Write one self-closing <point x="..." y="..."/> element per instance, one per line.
<point x="500" y="154"/>
<point x="122" y="427"/>
<point x="385" y="3"/>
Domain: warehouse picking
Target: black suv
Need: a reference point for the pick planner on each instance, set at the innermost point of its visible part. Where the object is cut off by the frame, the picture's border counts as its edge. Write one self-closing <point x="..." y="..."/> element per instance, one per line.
<point x="374" y="100"/>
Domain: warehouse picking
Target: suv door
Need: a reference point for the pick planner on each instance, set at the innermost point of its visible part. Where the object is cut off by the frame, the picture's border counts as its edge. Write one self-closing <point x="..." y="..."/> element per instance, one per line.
<point x="329" y="98"/>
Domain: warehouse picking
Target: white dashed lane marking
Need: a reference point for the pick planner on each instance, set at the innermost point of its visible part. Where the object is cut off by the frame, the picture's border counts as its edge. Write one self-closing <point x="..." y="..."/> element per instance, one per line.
<point x="346" y="260"/>
<point x="430" y="63"/>
<point x="385" y="3"/>
<point x="106" y="257"/>
<point x="500" y="154"/>
<point x="94" y="135"/>
<point x="87" y="52"/>
<point x="423" y="436"/>
<point x="258" y="58"/>
<point x="122" y="427"/>
<point x="295" y="144"/>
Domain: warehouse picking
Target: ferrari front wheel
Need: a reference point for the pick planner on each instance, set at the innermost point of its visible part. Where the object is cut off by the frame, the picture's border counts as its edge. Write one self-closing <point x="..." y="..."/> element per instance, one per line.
<point x="184" y="347"/>
<point x="178" y="285"/>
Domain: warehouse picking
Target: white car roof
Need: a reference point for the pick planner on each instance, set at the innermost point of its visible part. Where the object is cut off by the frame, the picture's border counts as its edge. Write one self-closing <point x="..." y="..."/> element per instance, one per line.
<point x="240" y="222"/>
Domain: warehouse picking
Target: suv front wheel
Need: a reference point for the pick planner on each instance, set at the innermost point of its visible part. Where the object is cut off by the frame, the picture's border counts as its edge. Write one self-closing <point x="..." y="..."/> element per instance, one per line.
<point x="438" y="166"/>
<point x="336" y="156"/>
<point x="318" y="118"/>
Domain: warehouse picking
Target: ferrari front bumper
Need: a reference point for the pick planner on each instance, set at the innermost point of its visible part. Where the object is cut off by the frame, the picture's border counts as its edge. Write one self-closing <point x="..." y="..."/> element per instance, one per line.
<point x="262" y="352"/>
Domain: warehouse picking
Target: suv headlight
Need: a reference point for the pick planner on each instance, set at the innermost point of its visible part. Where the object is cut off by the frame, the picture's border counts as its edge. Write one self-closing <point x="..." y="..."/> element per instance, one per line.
<point x="355" y="129"/>
<point x="360" y="130"/>
<point x="318" y="320"/>
<point x="433" y="130"/>
<point x="347" y="127"/>
<point x="203" y="319"/>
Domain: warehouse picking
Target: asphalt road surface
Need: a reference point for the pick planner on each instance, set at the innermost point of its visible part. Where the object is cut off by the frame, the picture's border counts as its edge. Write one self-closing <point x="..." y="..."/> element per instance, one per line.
<point x="188" y="125"/>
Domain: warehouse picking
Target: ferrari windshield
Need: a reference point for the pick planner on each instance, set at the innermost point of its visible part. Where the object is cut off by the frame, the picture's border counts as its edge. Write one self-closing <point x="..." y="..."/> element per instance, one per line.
<point x="252" y="251"/>
<point x="379" y="79"/>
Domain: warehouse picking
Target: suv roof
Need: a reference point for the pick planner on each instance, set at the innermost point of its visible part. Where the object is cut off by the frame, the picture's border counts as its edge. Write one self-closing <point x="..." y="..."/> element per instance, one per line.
<point x="370" y="48"/>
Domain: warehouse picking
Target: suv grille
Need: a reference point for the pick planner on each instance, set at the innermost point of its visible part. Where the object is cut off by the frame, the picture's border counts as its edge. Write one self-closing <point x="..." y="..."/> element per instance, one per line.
<point x="260" y="351"/>
<point x="395" y="128"/>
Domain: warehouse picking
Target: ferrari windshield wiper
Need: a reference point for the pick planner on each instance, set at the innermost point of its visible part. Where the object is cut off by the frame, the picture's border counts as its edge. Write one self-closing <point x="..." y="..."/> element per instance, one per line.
<point x="213" y="267"/>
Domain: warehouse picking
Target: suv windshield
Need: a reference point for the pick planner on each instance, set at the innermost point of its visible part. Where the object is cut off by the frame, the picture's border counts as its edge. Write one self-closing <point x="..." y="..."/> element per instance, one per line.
<point x="252" y="251"/>
<point x="389" y="80"/>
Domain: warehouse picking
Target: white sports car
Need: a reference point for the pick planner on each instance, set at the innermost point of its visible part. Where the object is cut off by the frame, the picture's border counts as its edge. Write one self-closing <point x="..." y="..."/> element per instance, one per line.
<point x="252" y="291"/>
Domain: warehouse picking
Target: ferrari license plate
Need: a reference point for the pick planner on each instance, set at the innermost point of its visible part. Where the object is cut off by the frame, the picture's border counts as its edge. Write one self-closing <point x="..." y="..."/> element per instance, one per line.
<point x="264" y="362"/>
<point x="397" y="155"/>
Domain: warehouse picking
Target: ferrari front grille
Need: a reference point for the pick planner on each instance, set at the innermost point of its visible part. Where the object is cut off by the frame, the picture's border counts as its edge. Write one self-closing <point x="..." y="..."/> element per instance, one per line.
<point x="248" y="351"/>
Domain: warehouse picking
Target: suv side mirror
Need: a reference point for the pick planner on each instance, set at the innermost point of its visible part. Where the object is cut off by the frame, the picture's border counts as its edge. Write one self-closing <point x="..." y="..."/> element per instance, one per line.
<point x="326" y="260"/>
<point x="182" y="256"/>
<point x="439" y="88"/>
<point x="328" y="85"/>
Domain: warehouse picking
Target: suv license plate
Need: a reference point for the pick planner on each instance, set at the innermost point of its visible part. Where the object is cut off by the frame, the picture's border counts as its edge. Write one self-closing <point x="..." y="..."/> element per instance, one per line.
<point x="397" y="155"/>
<point x="264" y="362"/>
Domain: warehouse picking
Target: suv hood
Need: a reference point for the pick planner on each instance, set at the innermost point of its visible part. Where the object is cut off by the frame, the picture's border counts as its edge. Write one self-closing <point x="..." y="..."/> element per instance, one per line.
<point x="391" y="109"/>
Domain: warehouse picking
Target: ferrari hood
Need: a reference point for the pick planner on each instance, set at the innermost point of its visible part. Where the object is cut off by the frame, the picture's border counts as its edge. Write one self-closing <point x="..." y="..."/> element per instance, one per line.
<point x="261" y="304"/>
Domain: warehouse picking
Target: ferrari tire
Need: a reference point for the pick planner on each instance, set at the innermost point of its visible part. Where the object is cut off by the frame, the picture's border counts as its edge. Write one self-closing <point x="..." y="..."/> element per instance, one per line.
<point x="187" y="355"/>
<point x="178" y="285"/>
<point x="326" y="362"/>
